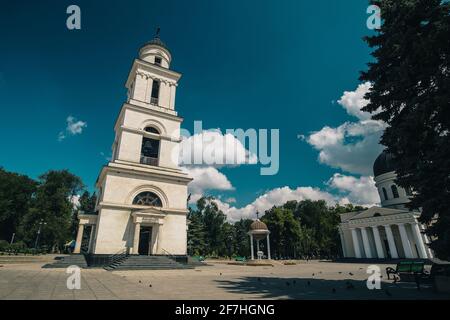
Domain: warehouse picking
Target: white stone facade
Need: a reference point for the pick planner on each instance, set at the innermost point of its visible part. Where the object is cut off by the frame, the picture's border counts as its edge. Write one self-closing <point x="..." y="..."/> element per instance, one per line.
<point x="390" y="231"/>
<point x="123" y="220"/>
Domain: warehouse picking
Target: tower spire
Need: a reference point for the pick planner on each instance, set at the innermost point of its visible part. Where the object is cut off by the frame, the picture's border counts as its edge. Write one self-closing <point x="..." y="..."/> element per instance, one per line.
<point x="158" y="30"/>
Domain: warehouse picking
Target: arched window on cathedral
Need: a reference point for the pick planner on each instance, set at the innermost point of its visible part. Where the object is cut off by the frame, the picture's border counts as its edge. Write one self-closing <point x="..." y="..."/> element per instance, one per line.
<point x="155" y="92"/>
<point x="395" y="191"/>
<point x="385" y="194"/>
<point x="147" y="198"/>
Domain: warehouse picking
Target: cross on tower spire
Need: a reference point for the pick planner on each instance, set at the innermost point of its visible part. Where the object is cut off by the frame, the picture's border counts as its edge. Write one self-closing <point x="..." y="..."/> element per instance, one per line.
<point x="158" y="30"/>
<point x="257" y="215"/>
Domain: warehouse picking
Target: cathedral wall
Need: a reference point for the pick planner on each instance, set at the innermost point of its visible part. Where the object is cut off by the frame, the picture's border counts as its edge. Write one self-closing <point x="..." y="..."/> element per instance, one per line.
<point x="120" y="188"/>
<point x="387" y="180"/>
<point x="164" y="95"/>
<point x="130" y="147"/>
<point x="140" y="88"/>
<point x="114" y="231"/>
<point x="174" y="238"/>
<point x="138" y="120"/>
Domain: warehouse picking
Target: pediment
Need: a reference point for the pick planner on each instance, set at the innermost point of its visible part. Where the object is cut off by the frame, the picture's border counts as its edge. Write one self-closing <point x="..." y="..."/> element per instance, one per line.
<point x="377" y="212"/>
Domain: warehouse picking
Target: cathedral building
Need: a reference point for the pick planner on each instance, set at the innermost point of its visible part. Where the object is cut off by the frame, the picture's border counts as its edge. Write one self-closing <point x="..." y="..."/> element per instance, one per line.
<point x="390" y="231"/>
<point x="142" y="193"/>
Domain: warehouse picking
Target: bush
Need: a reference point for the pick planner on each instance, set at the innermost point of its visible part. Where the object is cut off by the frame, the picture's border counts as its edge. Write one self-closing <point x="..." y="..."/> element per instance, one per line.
<point x="18" y="246"/>
<point x="4" y="245"/>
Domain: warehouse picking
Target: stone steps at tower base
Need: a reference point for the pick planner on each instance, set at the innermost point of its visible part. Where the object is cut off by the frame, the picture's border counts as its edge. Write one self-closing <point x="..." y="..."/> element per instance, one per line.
<point x="147" y="263"/>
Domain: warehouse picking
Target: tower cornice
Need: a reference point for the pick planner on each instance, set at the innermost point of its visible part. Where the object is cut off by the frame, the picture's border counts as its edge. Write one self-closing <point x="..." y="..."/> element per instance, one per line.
<point x="156" y="173"/>
<point x="148" y="110"/>
<point x="165" y="75"/>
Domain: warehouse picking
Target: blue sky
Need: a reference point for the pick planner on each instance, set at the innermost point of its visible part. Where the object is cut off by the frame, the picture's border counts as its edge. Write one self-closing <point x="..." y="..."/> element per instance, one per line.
<point x="245" y="64"/>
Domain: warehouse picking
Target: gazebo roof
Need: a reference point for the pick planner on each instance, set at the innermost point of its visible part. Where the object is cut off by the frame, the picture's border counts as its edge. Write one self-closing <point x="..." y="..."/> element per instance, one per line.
<point x="258" y="225"/>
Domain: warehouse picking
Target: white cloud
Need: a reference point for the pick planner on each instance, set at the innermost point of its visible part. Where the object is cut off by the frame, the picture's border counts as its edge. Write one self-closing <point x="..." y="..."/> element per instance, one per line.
<point x="61" y="136"/>
<point x="230" y="200"/>
<point x="212" y="147"/>
<point x="213" y="150"/>
<point x="352" y="146"/>
<point x="206" y="178"/>
<point x="353" y="101"/>
<point x="344" y="190"/>
<point x="274" y="197"/>
<point x="360" y="190"/>
<point x="73" y="127"/>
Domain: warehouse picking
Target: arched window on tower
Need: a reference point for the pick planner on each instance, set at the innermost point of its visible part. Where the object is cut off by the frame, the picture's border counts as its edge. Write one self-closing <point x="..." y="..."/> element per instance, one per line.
<point x="150" y="151"/>
<point x="155" y="92"/>
<point x="152" y="130"/>
<point x="395" y="191"/>
<point x="385" y="194"/>
<point x="147" y="198"/>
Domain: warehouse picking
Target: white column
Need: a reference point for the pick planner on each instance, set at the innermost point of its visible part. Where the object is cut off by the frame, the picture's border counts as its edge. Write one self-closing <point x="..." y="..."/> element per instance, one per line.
<point x="344" y="252"/>
<point x="159" y="248"/>
<point x="154" y="241"/>
<point x="91" y="236"/>
<point x="390" y="238"/>
<point x="419" y="241"/>
<point x="426" y="240"/>
<point x="251" y="246"/>
<point x="378" y="245"/>
<point x="405" y="241"/>
<point x="137" y="229"/>
<point x="356" y="243"/>
<point x="268" y="248"/>
<point x="173" y="89"/>
<point x="257" y="248"/>
<point x="366" y="243"/>
<point x="79" y="239"/>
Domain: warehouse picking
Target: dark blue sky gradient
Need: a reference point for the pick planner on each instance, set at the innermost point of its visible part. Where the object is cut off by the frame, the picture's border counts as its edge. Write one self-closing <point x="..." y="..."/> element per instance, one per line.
<point x="245" y="64"/>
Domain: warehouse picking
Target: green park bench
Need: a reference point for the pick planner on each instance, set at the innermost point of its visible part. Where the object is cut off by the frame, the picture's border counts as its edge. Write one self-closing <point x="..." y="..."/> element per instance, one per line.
<point x="199" y="258"/>
<point x="408" y="271"/>
<point x="242" y="259"/>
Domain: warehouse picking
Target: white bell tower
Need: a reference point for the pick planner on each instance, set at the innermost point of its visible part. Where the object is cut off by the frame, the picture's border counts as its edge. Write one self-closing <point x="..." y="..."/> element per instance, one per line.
<point x="142" y="194"/>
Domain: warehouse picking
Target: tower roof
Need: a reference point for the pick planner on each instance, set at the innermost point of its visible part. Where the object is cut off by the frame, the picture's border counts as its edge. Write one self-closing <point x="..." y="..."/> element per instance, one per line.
<point x="383" y="164"/>
<point x="157" y="41"/>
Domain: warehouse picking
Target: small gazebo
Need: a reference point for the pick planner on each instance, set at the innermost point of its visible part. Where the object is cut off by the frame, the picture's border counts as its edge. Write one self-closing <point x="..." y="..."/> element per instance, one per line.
<point x="258" y="231"/>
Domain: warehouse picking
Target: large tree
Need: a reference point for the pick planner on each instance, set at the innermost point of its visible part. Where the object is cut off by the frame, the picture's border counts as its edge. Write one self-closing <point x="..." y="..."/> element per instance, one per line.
<point x="320" y="226"/>
<point x="241" y="237"/>
<point x="16" y="192"/>
<point x="297" y="229"/>
<point x="195" y="234"/>
<point x="213" y="220"/>
<point x="52" y="205"/>
<point x="410" y="92"/>
<point x="285" y="232"/>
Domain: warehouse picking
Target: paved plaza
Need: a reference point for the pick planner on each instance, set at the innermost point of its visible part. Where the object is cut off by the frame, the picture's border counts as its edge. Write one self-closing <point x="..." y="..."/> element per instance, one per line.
<point x="218" y="280"/>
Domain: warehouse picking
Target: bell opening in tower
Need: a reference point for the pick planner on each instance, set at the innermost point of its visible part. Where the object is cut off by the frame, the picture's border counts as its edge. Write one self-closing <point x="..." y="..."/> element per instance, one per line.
<point x="150" y="151"/>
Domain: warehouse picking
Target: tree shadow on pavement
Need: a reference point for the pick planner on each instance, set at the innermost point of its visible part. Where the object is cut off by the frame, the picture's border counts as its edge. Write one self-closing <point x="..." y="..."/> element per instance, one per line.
<point x="310" y="288"/>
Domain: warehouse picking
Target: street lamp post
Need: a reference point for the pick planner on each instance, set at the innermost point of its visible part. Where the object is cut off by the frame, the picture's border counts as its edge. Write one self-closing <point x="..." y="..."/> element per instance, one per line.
<point x="39" y="232"/>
